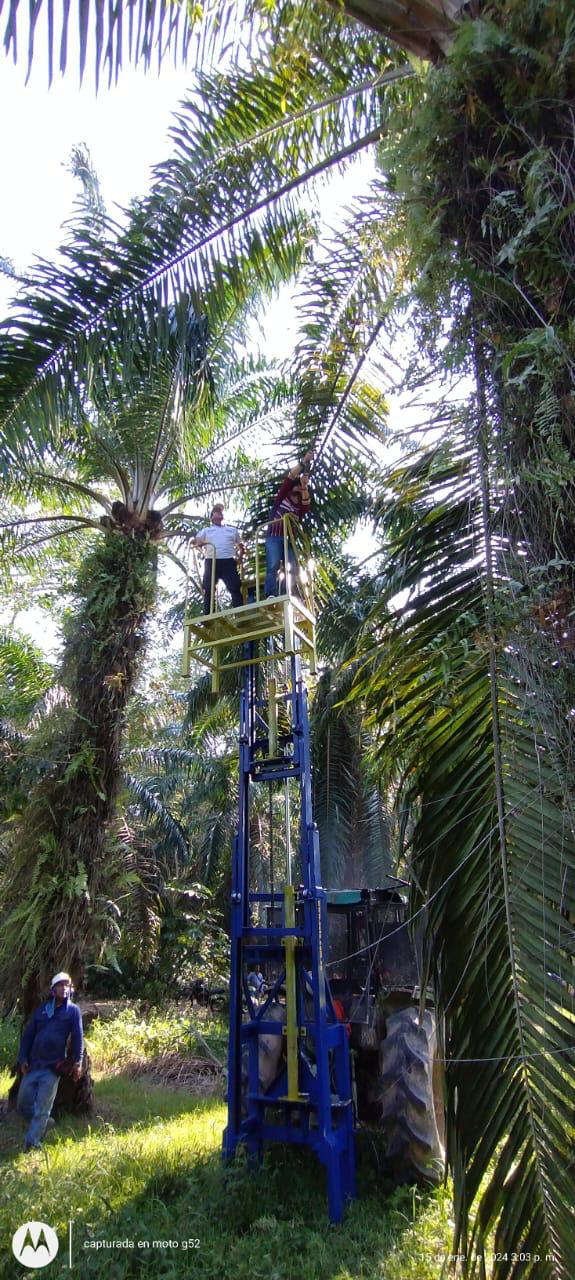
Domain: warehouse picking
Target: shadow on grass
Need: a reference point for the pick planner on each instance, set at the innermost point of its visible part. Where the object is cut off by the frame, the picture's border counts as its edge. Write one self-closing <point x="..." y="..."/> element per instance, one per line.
<point x="120" y="1103"/>
<point x="156" y="1200"/>
<point x="267" y="1223"/>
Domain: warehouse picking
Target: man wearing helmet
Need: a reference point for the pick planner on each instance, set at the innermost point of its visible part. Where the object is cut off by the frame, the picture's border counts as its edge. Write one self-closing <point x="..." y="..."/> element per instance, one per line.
<point x="43" y="1051"/>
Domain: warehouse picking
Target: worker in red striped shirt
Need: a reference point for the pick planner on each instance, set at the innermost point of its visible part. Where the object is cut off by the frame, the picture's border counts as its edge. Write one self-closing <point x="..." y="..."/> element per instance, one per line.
<point x="292" y="499"/>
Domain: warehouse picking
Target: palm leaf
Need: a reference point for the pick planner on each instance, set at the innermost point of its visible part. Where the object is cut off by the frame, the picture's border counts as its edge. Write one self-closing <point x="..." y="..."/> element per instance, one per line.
<point x="174" y="845"/>
<point x="144" y="32"/>
<point x="485" y="769"/>
<point x="93" y="314"/>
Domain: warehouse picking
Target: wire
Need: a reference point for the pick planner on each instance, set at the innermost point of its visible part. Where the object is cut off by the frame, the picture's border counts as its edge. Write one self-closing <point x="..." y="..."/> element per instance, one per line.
<point x="370" y="945"/>
<point x="420" y="910"/>
<point x="512" y="1057"/>
<point x="509" y="1057"/>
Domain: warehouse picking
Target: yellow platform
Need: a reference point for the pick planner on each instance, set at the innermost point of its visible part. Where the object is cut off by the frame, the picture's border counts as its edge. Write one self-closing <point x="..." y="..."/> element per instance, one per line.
<point x="208" y="638"/>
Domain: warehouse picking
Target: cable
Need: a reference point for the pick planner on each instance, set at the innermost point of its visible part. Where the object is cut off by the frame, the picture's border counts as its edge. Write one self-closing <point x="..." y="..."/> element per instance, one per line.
<point x="417" y="913"/>
<point x="514" y="809"/>
<point x="512" y="1057"/>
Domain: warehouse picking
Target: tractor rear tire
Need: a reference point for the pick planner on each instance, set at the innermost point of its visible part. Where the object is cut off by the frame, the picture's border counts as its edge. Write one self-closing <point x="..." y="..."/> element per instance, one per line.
<point x="412" y="1113"/>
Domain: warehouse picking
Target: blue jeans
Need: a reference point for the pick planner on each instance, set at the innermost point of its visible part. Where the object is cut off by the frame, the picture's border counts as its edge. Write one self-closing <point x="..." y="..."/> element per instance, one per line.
<point x="35" y="1097"/>
<point x="274" y="557"/>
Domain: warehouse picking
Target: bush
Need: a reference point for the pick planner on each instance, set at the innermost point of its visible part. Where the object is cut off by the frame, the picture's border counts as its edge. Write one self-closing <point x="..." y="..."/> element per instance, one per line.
<point x="9" y="1041"/>
<point x="131" y="1034"/>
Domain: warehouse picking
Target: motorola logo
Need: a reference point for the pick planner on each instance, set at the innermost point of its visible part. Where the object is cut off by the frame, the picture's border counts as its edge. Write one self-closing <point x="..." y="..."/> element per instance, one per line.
<point x="35" y="1244"/>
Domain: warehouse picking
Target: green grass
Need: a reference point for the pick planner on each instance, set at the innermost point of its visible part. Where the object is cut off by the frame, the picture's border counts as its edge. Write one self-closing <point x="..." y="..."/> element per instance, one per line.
<point x="9" y="1040"/>
<point x="147" y="1168"/>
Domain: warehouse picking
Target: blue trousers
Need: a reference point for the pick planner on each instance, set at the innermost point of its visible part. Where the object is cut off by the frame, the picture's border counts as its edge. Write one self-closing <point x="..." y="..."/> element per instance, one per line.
<point x="35" y="1097"/>
<point x="274" y="557"/>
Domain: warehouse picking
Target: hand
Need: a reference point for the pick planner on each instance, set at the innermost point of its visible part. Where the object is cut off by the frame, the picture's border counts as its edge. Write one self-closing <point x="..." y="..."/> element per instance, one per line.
<point x="24" y="1068"/>
<point x="77" y="1072"/>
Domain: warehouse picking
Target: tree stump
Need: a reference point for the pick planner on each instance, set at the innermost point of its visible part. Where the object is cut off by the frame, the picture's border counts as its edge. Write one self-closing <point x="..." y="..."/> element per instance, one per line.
<point x="75" y="1097"/>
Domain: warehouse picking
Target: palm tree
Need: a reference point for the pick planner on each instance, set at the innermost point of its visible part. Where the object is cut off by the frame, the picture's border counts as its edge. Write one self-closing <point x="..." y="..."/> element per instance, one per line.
<point x="425" y="28"/>
<point x="485" y="767"/>
<point x="151" y="449"/>
<point x="113" y="448"/>
<point x="67" y="818"/>
<point x="138" y="415"/>
<point x="485" y="232"/>
<point x="472" y="687"/>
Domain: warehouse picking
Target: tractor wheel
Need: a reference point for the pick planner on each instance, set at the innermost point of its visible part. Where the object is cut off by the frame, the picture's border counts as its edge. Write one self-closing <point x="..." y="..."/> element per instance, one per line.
<point x="412" y="1114"/>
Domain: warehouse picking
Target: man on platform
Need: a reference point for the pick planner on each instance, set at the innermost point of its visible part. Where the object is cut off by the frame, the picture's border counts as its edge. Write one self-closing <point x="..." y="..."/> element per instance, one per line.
<point x="292" y="499"/>
<point x="221" y="542"/>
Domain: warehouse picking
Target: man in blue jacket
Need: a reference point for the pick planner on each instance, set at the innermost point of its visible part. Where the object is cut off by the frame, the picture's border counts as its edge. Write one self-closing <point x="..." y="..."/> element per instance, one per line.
<point x="42" y="1049"/>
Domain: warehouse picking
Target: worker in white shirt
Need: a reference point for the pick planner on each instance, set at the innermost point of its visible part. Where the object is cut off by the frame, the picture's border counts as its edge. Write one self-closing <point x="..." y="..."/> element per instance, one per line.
<point x="223" y="542"/>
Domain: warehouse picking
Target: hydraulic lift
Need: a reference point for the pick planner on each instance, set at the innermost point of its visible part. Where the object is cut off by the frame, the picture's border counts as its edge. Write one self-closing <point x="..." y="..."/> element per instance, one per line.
<point x="280" y="928"/>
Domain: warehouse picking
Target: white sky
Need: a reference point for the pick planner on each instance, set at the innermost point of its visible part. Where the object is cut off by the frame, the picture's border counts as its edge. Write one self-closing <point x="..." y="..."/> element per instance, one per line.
<point x="125" y="128"/>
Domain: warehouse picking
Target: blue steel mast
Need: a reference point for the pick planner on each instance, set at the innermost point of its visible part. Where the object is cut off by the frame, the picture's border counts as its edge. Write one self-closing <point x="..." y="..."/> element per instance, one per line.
<point x="310" y="1102"/>
<point x="282" y="930"/>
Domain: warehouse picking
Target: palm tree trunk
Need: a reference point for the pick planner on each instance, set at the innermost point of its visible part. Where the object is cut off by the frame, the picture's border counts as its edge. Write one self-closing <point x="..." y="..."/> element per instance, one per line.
<point x="58" y="900"/>
<point x="423" y="27"/>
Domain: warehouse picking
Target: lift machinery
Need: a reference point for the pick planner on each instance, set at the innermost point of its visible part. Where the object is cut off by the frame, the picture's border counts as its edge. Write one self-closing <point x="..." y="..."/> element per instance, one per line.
<point x="280" y="928"/>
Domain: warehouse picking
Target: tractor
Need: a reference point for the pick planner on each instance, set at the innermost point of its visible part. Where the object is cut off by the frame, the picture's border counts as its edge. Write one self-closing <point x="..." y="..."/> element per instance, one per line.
<point x="374" y="974"/>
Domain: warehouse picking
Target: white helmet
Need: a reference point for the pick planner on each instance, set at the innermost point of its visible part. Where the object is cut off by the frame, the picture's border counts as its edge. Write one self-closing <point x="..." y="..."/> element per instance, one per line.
<point x="60" y="977"/>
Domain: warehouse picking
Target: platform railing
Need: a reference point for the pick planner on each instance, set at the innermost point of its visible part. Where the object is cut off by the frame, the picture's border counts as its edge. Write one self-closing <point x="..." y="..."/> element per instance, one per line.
<point x="294" y="538"/>
<point x="288" y="616"/>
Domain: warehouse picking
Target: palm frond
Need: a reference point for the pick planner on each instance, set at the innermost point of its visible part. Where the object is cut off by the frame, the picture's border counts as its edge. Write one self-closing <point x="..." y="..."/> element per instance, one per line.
<point x="144" y="33"/>
<point x="348" y="806"/>
<point x="93" y="314"/>
<point x="24" y="677"/>
<point x="484" y="767"/>
<point x="150" y="808"/>
<point x="151" y="28"/>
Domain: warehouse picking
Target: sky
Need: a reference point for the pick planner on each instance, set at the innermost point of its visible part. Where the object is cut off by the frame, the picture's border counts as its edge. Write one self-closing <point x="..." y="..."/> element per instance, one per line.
<point x="125" y="128"/>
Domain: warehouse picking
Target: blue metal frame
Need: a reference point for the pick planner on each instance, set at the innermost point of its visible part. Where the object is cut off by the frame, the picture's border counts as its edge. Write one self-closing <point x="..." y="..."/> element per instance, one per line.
<point x="321" y="1115"/>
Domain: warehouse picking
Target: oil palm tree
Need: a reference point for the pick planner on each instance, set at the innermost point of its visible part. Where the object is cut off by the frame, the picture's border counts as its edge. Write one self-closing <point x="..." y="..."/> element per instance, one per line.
<point x="489" y="217"/>
<point x="149" y="450"/>
<point x="128" y="402"/>
<point x="110" y="446"/>
<point x="145" y="33"/>
<point x="454" y="694"/>
<point x="471" y="686"/>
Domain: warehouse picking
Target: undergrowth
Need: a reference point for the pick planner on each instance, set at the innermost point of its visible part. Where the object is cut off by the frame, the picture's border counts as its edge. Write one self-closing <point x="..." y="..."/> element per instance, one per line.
<point x="132" y="1034"/>
<point x="143" y="1180"/>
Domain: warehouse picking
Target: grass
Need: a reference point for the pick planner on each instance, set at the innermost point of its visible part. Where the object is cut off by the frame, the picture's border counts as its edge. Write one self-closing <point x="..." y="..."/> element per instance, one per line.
<point x="147" y="1170"/>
